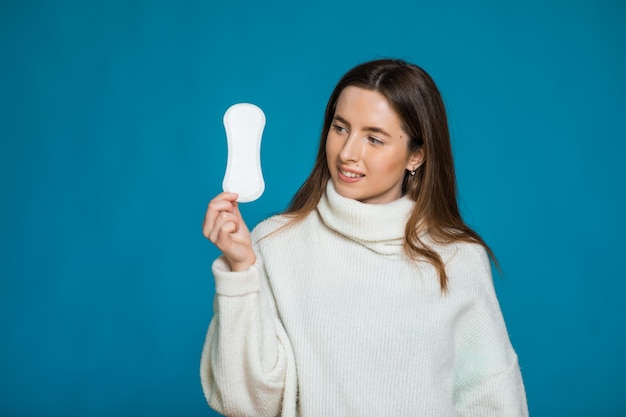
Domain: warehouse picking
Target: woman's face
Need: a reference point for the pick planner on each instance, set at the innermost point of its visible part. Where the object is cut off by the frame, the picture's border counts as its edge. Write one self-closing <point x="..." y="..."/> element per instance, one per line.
<point x="366" y="149"/>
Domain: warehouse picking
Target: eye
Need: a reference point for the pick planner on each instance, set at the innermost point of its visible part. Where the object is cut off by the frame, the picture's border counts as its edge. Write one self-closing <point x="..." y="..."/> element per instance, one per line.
<point x="339" y="129"/>
<point x="374" y="141"/>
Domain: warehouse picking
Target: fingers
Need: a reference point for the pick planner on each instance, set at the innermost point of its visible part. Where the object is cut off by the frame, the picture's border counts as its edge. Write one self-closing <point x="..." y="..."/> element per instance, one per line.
<point x="224" y="202"/>
<point x="225" y="224"/>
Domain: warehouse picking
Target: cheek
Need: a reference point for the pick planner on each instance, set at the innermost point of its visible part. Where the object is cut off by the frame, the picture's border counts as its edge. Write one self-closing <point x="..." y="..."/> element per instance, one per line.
<point x="330" y="157"/>
<point x="390" y="163"/>
<point x="331" y="147"/>
<point x="392" y="169"/>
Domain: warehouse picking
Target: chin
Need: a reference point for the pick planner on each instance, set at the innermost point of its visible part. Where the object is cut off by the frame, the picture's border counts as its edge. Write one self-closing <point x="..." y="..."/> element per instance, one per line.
<point x="347" y="192"/>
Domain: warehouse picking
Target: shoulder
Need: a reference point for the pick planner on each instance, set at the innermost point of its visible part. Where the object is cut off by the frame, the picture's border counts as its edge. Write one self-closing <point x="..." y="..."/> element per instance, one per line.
<point x="470" y="254"/>
<point x="279" y="235"/>
<point x="269" y="226"/>
<point x="281" y="226"/>
<point x="467" y="265"/>
<point x="459" y="253"/>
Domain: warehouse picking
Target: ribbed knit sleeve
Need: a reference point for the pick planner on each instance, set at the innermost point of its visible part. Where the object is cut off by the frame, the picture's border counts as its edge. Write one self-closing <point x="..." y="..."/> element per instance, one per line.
<point x="488" y="378"/>
<point x="247" y="366"/>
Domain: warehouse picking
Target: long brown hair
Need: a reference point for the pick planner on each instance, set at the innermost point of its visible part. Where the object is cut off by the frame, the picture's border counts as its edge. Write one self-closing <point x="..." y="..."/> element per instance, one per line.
<point x="414" y="96"/>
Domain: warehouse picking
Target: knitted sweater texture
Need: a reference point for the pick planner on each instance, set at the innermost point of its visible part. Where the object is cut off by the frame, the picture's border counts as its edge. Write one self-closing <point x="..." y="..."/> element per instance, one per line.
<point x="333" y="320"/>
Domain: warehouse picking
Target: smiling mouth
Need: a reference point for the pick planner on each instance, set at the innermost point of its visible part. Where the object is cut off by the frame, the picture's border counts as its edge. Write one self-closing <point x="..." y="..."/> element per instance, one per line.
<point x="350" y="174"/>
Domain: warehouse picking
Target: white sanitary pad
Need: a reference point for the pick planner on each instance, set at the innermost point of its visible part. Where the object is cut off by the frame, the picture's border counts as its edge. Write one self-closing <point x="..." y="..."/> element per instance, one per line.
<point x="244" y="124"/>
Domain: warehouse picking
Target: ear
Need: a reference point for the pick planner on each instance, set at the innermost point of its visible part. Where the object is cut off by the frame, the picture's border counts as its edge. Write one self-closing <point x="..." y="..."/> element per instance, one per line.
<point x="416" y="159"/>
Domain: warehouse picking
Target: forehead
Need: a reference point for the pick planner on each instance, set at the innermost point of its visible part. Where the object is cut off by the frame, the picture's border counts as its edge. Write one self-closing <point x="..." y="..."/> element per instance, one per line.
<point x="368" y="105"/>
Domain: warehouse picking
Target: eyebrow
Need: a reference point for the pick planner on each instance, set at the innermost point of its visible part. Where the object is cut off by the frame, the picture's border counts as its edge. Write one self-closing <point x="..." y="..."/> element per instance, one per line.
<point x="367" y="128"/>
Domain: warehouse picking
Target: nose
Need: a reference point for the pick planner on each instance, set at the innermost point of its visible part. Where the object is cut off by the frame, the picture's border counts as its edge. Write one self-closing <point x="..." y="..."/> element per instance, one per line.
<point x="351" y="149"/>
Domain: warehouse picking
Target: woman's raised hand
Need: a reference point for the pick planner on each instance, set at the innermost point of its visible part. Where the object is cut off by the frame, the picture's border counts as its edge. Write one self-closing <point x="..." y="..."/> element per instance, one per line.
<point x="224" y="226"/>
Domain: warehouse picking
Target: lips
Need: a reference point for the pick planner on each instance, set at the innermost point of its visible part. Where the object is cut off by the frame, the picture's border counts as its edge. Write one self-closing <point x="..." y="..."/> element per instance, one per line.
<point x="349" y="175"/>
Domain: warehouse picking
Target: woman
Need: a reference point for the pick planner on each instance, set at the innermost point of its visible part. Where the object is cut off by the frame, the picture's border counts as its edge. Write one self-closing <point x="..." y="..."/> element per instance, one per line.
<point x="369" y="295"/>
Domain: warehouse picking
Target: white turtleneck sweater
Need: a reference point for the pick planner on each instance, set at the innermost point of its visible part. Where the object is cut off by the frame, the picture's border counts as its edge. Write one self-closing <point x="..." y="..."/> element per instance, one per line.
<point x="333" y="320"/>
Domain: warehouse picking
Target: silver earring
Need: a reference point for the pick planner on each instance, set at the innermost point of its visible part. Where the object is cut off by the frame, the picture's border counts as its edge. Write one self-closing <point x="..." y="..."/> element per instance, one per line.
<point x="413" y="173"/>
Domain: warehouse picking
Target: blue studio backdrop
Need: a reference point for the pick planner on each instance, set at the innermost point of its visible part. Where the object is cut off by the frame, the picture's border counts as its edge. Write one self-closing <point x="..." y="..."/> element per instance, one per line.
<point x="112" y="144"/>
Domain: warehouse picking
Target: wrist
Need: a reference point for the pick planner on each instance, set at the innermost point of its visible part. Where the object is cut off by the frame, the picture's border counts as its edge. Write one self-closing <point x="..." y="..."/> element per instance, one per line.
<point x="244" y="265"/>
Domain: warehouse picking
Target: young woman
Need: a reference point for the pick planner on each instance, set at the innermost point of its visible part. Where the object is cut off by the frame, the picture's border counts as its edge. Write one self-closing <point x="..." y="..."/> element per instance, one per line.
<point x="369" y="296"/>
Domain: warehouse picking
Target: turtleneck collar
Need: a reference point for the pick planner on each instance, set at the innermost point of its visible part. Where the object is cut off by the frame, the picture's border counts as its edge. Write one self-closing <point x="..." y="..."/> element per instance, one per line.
<point x="379" y="227"/>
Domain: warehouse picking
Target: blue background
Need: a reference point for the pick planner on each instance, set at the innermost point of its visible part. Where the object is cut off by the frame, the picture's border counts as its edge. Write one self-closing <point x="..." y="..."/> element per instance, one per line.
<point x="112" y="144"/>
